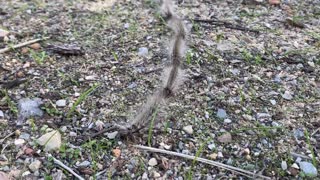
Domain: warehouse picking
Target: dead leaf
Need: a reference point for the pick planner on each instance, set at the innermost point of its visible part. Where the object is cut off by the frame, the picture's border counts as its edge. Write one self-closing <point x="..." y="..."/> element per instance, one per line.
<point x="274" y="2"/>
<point x="116" y="152"/>
<point x="51" y="141"/>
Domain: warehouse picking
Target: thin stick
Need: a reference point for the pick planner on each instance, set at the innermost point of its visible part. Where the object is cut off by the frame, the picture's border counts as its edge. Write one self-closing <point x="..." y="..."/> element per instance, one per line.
<point x="22" y="45"/>
<point x="214" y="163"/>
<point x="225" y="24"/>
<point x="65" y="167"/>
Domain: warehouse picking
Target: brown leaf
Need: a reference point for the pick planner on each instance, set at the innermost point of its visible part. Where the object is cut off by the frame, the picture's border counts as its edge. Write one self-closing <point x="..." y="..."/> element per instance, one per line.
<point x="116" y="152"/>
<point x="35" y="46"/>
<point x="274" y="2"/>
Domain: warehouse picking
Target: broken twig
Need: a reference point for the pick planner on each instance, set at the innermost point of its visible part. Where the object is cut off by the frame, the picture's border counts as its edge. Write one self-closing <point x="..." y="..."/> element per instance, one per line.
<point x="214" y="163"/>
<point x="22" y="45"/>
<point x="225" y="24"/>
<point x="65" y="167"/>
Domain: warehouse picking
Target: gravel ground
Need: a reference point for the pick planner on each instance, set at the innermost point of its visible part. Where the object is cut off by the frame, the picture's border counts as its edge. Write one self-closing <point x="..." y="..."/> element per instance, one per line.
<point x="251" y="98"/>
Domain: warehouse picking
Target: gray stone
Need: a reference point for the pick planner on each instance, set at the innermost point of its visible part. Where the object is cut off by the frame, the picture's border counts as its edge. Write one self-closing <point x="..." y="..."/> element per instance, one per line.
<point x="284" y="165"/>
<point x="112" y="135"/>
<point x="28" y="108"/>
<point x="188" y="129"/>
<point x="143" y="51"/>
<point x="61" y="103"/>
<point x="24" y="136"/>
<point x="287" y="95"/>
<point x="308" y="169"/>
<point x="152" y="162"/>
<point x="221" y="113"/>
<point x="211" y="146"/>
<point x="84" y="164"/>
<point x="227" y="121"/>
<point x="35" y="165"/>
<point x="1" y="114"/>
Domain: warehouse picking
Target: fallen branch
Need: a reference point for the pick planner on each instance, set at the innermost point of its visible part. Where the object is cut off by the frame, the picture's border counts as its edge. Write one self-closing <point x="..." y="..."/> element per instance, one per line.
<point x="225" y="24"/>
<point x="65" y="167"/>
<point x="22" y="45"/>
<point x="214" y="163"/>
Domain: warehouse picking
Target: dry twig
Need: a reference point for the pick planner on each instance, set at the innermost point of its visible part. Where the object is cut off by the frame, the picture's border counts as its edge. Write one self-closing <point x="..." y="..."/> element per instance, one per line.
<point x="22" y="45"/>
<point x="214" y="163"/>
<point x="65" y="167"/>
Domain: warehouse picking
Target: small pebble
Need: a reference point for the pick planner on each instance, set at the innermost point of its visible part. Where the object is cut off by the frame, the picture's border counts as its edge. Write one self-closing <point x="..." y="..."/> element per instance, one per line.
<point x="284" y="165"/>
<point x="308" y="169"/>
<point x="227" y="121"/>
<point x="1" y="114"/>
<point x="212" y="146"/>
<point x="188" y="129"/>
<point x="19" y="142"/>
<point x="143" y="51"/>
<point x="84" y="164"/>
<point x="112" y="135"/>
<point x="213" y="156"/>
<point x="152" y="162"/>
<point x="61" y="103"/>
<point x="35" y="165"/>
<point x="221" y="113"/>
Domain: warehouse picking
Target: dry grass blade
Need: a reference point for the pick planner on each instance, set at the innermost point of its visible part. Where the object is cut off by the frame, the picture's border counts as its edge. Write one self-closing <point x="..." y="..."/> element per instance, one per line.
<point x="214" y="163"/>
<point x="22" y="45"/>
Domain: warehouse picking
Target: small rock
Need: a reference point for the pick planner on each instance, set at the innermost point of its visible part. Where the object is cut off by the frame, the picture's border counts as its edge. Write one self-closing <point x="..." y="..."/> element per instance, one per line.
<point x="221" y="113"/>
<point x="212" y="146"/>
<point x="152" y="162"/>
<point x="287" y="95"/>
<point x="132" y="85"/>
<point x="298" y="133"/>
<point x="220" y="155"/>
<point x="126" y="25"/>
<point x="24" y="136"/>
<point x="248" y="157"/>
<point x="35" y="46"/>
<point x="35" y="165"/>
<point x="61" y="103"/>
<point x="72" y="134"/>
<point x="213" y="156"/>
<point x="293" y="171"/>
<point x="27" y="108"/>
<point x="295" y="165"/>
<point x="225" y="138"/>
<point x="188" y="129"/>
<point x="311" y="64"/>
<point x="308" y="169"/>
<point x="112" y="135"/>
<point x="156" y="174"/>
<point x="144" y="176"/>
<point x="63" y="129"/>
<point x="90" y="78"/>
<point x="143" y="51"/>
<point x="19" y="142"/>
<point x="1" y="114"/>
<point x="227" y="121"/>
<point x="284" y="165"/>
<point x="246" y="151"/>
<point x="247" y="117"/>
<point x="273" y="102"/>
<point x="263" y="116"/>
<point x="3" y="34"/>
<point x="84" y="164"/>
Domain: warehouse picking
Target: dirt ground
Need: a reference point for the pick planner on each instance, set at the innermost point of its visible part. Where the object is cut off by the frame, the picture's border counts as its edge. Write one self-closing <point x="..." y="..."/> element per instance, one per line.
<point x="251" y="98"/>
